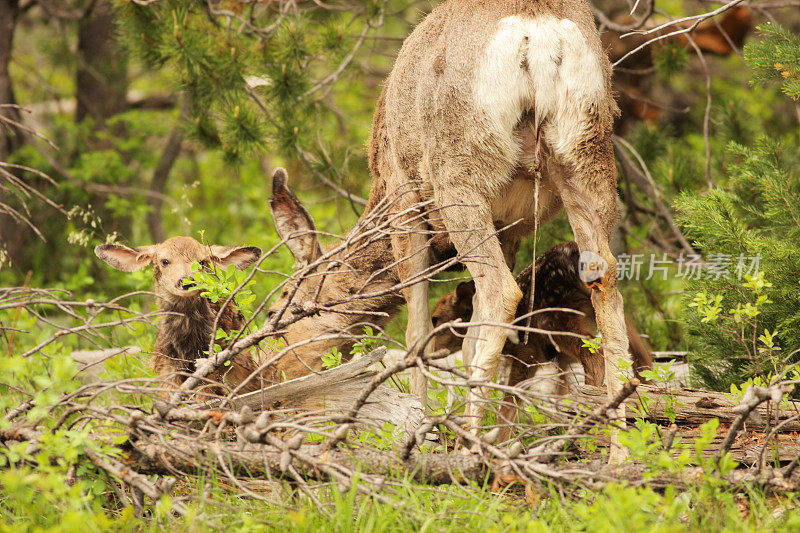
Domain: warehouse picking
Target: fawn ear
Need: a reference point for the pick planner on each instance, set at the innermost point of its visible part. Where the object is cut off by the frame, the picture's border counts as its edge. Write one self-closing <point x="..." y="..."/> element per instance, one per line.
<point x="241" y="256"/>
<point x="293" y="222"/>
<point x="125" y="258"/>
<point x="465" y="291"/>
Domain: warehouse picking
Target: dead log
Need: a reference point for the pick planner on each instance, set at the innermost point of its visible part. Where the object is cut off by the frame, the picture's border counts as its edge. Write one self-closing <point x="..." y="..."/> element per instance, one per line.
<point x="693" y="408"/>
<point x="746" y="449"/>
<point x="336" y="390"/>
<point x="153" y="456"/>
<point x="193" y="457"/>
<point x="696" y="407"/>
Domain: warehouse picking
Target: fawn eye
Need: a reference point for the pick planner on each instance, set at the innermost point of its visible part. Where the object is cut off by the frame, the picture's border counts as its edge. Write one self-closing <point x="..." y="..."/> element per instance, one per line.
<point x="164" y="262"/>
<point x="204" y="263"/>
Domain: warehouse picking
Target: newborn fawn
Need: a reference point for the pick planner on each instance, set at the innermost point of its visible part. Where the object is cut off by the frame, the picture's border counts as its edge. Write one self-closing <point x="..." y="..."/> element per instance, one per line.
<point x="186" y="329"/>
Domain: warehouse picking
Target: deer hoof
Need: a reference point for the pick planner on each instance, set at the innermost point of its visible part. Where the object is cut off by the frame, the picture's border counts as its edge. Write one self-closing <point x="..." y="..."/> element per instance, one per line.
<point x="596" y="285"/>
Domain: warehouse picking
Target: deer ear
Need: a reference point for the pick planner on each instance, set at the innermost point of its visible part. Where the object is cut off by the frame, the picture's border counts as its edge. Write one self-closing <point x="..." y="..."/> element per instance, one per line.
<point x="293" y="222"/>
<point x="465" y="291"/>
<point x="125" y="258"/>
<point x="241" y="256"/>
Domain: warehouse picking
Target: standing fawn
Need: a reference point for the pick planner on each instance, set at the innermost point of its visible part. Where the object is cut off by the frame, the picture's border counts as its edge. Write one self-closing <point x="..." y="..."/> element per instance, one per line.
<point x="497" y="113"/>
<point x="186" y="329"/>
<point x="558" y="291"/>
<point x="558" y="287"/>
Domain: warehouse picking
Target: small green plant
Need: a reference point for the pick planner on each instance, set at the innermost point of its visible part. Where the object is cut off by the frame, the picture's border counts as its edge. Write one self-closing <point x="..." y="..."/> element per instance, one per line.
<point x="594" y="345"/>
<point x="383" y="438"/>
<point x="366" y="344"/>
<point x="223" y="338"/>
<point x="643" y="440"/>
<point x="662" y="374"/>
<point x="332" y="359"/>
<point x="708" y="307"/>
<point x="624" y="367"/>
<point x="218" y="285"/>
<point x="737" y="391"/>
<point x="742" y="322"/>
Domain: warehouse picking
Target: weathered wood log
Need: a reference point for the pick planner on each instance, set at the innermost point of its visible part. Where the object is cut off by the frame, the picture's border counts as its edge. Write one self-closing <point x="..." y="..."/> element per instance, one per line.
<point x="336" y="390"/>
<point x="695" y="407"/>
<point x="746" y="449"/>
<point x="151" y="456"/>
<point x="692" y="407"/>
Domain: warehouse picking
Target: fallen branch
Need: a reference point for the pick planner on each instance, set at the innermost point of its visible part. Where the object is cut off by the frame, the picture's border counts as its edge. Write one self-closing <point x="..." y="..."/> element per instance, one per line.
<point x="754" y="397"/>
<point x="135" y="480"/>
<point x="337" y="390"/>
<point x="192" y="457"/>
<point x="149" y="456"/>
<point x="692" y="407"/>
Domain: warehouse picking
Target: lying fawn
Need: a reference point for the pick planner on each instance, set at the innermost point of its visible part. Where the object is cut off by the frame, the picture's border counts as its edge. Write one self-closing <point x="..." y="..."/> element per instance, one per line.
<point x="186" y="329"/>
<point x="339" y="284"/>
<point x="558" y="286"/>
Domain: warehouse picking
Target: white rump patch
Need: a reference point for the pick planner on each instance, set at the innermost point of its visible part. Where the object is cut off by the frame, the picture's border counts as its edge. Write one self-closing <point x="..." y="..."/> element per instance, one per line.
<point x="544" y="63"/>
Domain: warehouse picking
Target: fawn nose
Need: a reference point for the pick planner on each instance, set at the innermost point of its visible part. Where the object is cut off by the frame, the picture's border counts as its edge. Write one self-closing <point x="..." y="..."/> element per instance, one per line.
<point x="187" y="283"/>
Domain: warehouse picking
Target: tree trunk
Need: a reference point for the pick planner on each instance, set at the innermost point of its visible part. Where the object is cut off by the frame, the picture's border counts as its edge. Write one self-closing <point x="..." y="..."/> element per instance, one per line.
<point x="158" y="184"/>
<point x="101" y="89"/>
<point x="102" y="78"/>
<point x="11" y="137"/>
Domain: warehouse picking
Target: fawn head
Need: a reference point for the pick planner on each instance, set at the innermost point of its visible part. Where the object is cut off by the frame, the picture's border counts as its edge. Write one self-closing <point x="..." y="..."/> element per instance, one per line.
<point x="453" y="305"/>
<point x="172" y="259"/>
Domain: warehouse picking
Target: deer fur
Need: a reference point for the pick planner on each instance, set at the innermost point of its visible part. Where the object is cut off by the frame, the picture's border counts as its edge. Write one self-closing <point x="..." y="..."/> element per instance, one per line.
<point x="339" y="283"/>
<point x="558" y="286"/>
<point x="186" y="328"/>
<point x="481" y="93"/>
<point x="488" y="99"/>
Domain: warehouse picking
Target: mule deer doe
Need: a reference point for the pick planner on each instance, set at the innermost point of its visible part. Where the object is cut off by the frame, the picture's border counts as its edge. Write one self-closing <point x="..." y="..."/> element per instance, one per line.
<point x="498" y="113"/>
<point x="186" y="329"/>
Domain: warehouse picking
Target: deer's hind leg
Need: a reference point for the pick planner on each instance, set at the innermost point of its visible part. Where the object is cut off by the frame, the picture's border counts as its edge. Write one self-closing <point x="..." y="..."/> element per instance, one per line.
<point x="466" y="213"/>
<point x="411" y="252"/>
<point x="579" y="137"/>
<point x="589" y="197"/>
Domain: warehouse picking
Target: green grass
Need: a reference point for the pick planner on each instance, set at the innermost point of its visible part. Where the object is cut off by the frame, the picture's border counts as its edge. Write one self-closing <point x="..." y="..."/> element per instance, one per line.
<point x="39" y="500"/>
<point x="418" y="508"/>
